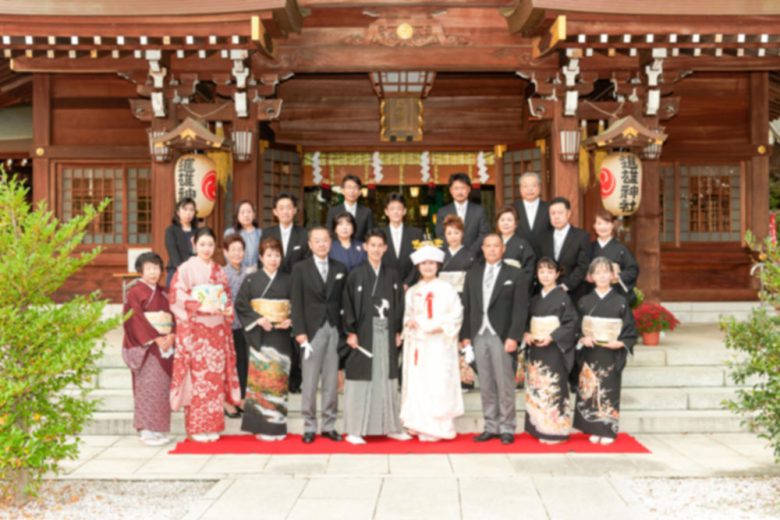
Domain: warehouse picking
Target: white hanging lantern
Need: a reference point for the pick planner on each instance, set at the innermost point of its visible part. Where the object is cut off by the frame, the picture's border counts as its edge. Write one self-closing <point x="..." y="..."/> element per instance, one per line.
<point x="196" y="178"/>
<point x="621" y="183"/>
<point x="570" y="145"/>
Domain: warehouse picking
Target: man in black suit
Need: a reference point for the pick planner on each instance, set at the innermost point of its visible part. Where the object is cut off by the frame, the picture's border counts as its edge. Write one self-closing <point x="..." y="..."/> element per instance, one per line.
<point x="495" y="311"/>
<point x="399" y="237"/>
<point x="364" y="219"/>
<point x="569" y="246"/>
<point x="317" y="286"/>
<point x="295" y="248"/>
<point x="471" y="213"/>
<point x="293" y="237"/>
<point x="534" y="218"/>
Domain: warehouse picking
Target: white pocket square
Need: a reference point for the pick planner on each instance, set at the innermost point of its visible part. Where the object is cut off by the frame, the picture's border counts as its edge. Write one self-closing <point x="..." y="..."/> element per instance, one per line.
<point x="296" y="248"/>
<point x="360" y="288"/>
<point x="339" y="276"/>
<point x="508" y="282"/>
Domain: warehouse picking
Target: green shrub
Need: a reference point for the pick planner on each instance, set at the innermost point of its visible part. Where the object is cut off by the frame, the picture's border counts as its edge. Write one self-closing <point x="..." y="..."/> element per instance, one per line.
<point x="758" y="340"/>
<point x="48" y="351"/>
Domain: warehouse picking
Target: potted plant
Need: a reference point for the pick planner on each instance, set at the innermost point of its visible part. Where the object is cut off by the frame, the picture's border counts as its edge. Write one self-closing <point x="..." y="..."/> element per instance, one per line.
<point x="651" y="319"/>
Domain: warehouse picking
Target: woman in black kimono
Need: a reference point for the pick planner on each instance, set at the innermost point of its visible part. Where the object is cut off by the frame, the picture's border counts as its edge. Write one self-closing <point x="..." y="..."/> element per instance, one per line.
<point x="517" y="251"/>
<point x="549" y="358"/>
<point x="608" y="246"/>
<point x="597" y="412"/>
<point x="373" y="318"/>
<point x="265" y="408"/>
<point x="457" y="258"/>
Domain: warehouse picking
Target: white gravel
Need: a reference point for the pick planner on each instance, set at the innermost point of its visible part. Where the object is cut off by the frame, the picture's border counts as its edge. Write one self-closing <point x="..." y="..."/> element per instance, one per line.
<point x="710" y="498"/>
<point x="125" y="500"/>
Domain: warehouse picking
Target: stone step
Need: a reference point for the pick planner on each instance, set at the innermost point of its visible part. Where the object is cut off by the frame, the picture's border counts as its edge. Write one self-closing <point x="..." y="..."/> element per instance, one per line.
<point x="710" y="312"/>
<point x="633" y="377"/>
<point x="633" y="422"/>
<point x="690" y="398"/>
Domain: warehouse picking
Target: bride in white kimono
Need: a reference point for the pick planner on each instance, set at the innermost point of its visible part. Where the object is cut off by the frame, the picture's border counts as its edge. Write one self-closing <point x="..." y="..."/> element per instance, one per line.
<point x="431" y="394"/>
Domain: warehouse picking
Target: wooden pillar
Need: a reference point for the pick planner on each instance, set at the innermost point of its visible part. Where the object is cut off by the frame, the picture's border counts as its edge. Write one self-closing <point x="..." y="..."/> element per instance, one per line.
<point x="646" y="232"/>
<point x="245" y="175"/>
<point x="41" y="102"/>
<point x="163" y="189"/>
<point x="565" y="174"/>
<point x="758" y="194"/>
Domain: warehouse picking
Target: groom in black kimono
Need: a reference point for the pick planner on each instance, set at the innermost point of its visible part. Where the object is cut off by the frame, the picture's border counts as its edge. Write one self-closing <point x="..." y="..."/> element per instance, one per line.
<point x="373" y="318"/>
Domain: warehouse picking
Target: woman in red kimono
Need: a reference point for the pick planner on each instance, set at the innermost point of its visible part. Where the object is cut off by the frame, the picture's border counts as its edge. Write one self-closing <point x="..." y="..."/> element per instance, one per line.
<point x="204" y="367"/>
<point x="147" y="349"/>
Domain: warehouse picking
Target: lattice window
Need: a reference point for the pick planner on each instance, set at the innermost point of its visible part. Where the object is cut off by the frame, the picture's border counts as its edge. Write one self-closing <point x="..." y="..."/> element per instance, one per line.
<point x="516" y="163"/>
<point x="281" y="173"/>
<point x="128" y="217"/>
<point x="701" y="203"/>
<point x="139" y="206"/>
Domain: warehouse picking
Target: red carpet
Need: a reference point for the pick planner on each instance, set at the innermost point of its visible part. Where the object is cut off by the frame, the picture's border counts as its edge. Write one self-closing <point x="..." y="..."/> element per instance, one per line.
<point x="293" y="445"/>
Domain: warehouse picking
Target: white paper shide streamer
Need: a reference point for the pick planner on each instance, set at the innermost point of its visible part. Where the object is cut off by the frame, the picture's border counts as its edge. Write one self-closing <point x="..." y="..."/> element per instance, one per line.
<point x="376" y="163"/>
<point x="482" y="168"/>
<point x="316" y="168"/>
<point x="425" y="167"/>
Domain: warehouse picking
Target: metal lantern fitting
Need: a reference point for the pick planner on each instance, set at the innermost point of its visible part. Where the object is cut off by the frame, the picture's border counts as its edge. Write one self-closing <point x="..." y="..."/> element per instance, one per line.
<point x="242" y="145"/>
<point x="159" y="151"/>
<point x="570" y="145"/>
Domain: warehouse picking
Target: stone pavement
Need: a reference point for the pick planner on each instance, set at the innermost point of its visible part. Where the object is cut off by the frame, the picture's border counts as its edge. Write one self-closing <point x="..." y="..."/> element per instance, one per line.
<point x="483" y="487"/>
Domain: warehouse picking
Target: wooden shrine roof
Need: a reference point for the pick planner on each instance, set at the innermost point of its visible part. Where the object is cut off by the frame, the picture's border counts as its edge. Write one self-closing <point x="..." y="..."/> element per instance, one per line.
<point x="359" y="35"/>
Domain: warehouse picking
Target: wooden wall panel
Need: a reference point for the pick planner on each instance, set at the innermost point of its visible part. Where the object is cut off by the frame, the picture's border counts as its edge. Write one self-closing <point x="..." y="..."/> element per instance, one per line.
<point x="713" y="125"/>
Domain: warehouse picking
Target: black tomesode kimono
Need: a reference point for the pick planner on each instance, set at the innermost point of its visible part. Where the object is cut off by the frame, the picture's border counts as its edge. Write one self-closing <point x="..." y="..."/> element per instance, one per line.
<point x="619" y="254"/>
<point x="548" y="409"/>
<point x="265" y="409"/>
<point x="373" y="309"/>
<point x="462" y="260"/>
<point x="519" y="250"/>
<point x="597" y="411"/>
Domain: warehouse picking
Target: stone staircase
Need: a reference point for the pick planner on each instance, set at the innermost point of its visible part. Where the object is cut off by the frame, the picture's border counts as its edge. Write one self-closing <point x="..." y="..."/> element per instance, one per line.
<point x="678" y="387"/>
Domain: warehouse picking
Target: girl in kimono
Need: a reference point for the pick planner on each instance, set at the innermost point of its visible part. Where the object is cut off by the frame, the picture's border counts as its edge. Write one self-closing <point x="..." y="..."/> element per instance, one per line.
<point x="204" y="366"/>
<point x="597" y="412"/>
<point x="266" y="407"/>
<point x="245" y="225"/>
<point x="431" y="397"/>
<point x="147" y="349"/>
<point x="623" y="262"/>
<point x="517" y="251"/>
<point x="549" y="358"/>
<point x="178" y="236"/>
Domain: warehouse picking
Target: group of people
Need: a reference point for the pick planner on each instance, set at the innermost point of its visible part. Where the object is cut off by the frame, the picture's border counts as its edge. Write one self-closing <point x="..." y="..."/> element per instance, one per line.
<point x="391" y="309"/>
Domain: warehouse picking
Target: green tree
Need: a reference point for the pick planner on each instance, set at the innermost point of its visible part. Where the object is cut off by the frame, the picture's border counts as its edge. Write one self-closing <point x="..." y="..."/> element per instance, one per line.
<point x="48" y="351"/>
<point x="758" y="340"/>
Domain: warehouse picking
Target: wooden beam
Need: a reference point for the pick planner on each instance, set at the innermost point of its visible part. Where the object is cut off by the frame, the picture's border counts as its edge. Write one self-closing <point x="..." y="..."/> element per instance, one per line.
<point x="543" y="45"/>
<point x="153" y="8"/>
<point x="55" y="152"/>
<point x="433" y="4"/>
<point x="365" y="59"/>
<point x="669" y="8"/>
<point x="267" y="110"/>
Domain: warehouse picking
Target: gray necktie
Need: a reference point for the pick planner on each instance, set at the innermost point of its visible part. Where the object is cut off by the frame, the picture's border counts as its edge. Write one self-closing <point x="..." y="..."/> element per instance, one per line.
<point x="323" y="267"/>
<point x="487" y="287"/>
